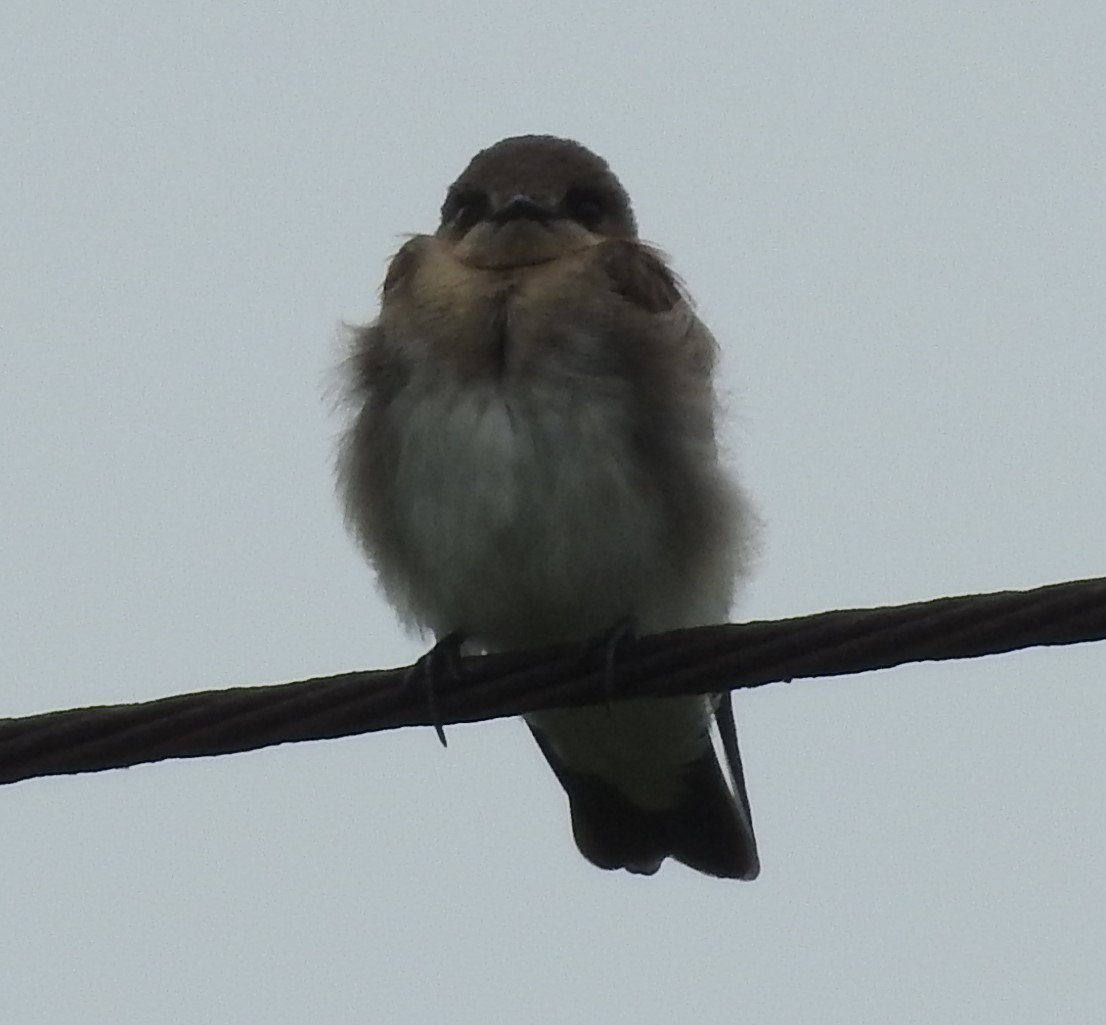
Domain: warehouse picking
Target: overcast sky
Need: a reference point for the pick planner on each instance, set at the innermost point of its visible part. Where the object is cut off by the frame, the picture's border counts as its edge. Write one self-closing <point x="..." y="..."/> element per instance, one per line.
<point x="893" y="218"/>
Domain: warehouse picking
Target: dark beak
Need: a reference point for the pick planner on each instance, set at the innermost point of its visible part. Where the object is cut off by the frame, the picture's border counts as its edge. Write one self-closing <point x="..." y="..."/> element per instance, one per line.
<point x="522" y="208"/>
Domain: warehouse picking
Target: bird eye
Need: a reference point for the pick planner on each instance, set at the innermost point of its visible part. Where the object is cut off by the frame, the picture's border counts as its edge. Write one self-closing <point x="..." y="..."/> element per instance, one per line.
<point x="465" y="208"/>
<point x="586" y="206"/>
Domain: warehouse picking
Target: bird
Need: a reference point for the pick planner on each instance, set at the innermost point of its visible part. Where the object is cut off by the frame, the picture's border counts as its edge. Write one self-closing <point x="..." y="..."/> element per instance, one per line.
<point x="531" y="457"/>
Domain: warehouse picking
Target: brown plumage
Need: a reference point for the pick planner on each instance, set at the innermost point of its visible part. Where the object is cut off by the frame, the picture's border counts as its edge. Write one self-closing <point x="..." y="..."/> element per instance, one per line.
<point x="532" y="458"/>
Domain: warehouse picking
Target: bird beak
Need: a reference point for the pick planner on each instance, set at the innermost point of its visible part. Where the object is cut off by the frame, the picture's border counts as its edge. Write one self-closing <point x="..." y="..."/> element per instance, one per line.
<point x="520" y="207"/>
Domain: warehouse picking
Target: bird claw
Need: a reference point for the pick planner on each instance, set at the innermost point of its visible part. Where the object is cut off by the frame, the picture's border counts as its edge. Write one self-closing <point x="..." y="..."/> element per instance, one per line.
<point x="444" y="657"/>
<point x="607" y="645"/>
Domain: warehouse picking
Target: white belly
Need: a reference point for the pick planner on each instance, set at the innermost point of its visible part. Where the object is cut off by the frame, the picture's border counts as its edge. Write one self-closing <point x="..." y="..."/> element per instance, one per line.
<point x="533" y="523"/>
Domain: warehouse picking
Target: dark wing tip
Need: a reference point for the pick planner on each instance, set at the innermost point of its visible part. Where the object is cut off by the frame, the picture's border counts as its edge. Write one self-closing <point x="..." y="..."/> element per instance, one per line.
<point x="706" y="829"/>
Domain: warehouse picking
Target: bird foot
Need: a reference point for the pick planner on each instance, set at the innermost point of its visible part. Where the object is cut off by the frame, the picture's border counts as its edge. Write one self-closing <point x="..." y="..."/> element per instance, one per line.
<point x="606" y="646"/>
<point x="442" y="659"/>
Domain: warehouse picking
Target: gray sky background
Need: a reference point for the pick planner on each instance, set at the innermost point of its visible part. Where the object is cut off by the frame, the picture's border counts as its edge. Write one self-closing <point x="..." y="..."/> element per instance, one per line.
<point x="892" y="216"/>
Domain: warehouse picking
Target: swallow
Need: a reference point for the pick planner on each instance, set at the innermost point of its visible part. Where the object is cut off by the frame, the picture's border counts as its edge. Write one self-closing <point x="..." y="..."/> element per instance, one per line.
<point x="531" y="458"/>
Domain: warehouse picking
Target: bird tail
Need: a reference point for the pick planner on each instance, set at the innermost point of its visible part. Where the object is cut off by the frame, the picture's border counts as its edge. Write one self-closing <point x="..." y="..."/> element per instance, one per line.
<point x="709" y="828"/>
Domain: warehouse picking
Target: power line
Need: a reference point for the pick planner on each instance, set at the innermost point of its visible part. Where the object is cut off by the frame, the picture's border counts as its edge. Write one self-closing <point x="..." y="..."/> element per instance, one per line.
<point x="697" y="661"/>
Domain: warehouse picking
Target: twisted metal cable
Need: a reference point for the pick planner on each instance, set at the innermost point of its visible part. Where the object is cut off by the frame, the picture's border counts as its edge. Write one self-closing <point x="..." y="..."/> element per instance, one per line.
<point x="698" y="661"/>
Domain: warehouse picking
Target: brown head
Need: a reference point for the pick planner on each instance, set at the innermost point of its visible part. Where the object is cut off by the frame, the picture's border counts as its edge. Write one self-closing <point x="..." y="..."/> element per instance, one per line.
<point x="530" y="199"/>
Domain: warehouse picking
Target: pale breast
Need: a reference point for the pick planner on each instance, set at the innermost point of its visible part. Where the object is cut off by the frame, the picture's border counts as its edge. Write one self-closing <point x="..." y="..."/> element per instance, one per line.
<point x="550" y="468"/>
<point x="531" y="519"/>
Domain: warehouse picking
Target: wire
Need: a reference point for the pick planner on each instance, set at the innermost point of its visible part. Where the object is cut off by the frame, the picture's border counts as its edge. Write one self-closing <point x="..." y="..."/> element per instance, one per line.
<point x="703" y="660"/>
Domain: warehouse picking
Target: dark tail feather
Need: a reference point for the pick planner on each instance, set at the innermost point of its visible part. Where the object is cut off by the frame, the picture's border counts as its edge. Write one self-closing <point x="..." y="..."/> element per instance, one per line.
<point x="708" y="829"/>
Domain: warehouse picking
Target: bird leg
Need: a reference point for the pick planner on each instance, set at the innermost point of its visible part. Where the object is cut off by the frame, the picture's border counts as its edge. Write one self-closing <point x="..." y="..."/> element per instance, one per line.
<point x="607" y="644"/>
<point x="442" y="659"/>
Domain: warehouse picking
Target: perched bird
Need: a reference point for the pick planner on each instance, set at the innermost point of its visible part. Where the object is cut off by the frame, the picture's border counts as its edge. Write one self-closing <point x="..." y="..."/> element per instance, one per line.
<point x="531" y="459"/>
